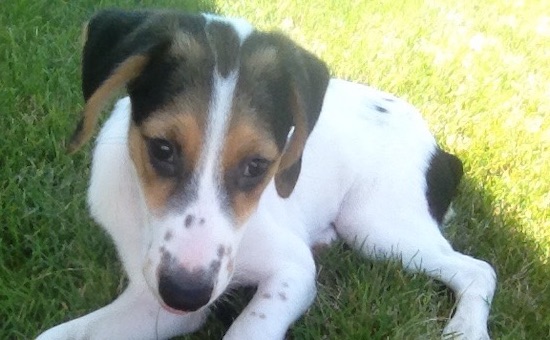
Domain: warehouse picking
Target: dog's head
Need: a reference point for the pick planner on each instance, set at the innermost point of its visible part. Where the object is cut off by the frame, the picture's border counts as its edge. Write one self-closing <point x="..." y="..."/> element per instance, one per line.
<point x="218" y="111"/>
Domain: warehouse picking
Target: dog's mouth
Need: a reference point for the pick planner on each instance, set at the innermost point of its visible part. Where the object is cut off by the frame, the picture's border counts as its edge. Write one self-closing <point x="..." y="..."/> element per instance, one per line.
<point x="172" y="310"/>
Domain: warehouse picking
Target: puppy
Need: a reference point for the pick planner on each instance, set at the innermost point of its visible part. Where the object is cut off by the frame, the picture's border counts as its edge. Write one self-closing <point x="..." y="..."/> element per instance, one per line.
<point x="232" y="156"/>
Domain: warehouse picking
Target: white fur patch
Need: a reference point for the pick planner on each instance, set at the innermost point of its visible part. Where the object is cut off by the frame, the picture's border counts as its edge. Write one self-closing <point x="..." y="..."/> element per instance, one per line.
<point x="241" y="26"/>
<point x="218" y="119"/>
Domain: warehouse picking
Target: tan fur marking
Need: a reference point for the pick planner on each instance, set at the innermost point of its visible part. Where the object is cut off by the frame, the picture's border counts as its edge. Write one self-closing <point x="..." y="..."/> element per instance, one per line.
<point x="184" y="45"/>
<point x="246" y="137"/>
<point x="294" y="148"/>
<point x="282" y="296"/>
<point x="156" y="189"/>
<point x="262" y="61"/>
<point x="181" y="128"/>
<point x="298" y="140"/>
<point x="128" y="70"/>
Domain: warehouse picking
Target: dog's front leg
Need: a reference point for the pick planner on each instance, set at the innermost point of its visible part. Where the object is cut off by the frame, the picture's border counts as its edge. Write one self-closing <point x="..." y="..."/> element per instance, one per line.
<point x="285" y="270"/>
<point x="278" y="302"/>
<point x="136" y="314"/>
<point x="115" y="203"/>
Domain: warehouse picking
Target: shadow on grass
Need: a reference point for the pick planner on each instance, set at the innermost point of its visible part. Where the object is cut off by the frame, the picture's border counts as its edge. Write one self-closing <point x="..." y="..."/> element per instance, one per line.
<point x="521" y="308"/>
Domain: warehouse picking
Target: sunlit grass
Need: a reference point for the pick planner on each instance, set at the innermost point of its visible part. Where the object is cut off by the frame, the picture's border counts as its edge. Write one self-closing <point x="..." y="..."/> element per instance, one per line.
<point x="479" y="72"/>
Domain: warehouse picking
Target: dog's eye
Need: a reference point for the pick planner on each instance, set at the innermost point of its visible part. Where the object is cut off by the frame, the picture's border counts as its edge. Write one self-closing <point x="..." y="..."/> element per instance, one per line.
<point x="161" y="149"/>
<point x="162" y="155"/>
<point x="255" y="168"/>
<point x="250" y="172"/>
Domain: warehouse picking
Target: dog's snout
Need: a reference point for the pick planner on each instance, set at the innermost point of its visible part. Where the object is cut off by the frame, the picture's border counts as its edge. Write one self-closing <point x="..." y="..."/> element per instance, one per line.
<point x="185" y="291"/>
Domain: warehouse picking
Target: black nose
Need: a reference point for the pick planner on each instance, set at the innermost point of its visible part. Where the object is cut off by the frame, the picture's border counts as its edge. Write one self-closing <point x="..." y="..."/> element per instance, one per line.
<point x="183" y="290"/>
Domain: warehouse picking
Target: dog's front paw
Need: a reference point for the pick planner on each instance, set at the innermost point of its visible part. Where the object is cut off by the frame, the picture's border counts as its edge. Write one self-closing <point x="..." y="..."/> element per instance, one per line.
<point x="64" y="331"/>
<point x="461" y="329"/>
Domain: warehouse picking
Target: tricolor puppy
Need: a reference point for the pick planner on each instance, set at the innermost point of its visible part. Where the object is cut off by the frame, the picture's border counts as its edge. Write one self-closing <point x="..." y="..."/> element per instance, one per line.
<point x="232" y="156"/>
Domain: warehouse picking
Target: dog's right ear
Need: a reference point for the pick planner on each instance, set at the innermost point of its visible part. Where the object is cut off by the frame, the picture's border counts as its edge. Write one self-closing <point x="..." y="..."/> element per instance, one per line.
<point x="117" y="47"/>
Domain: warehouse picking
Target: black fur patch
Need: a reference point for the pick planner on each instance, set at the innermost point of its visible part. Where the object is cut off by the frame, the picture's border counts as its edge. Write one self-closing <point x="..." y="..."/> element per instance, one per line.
<point x="163" y="80"/>
<point x="102" y="51"/>
<point x="114" y="35"/>
<point x="270" y="91"/>
<point x="442" y="178"/>
<point x="225" y="44"/>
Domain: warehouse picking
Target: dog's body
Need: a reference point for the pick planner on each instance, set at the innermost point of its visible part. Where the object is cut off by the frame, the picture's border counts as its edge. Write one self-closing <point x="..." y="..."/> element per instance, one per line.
<point x="371" y="174"/>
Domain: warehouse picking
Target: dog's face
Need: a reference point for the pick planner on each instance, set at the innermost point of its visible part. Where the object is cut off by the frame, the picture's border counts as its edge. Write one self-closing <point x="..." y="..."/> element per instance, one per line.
<point x="213" y="103"/>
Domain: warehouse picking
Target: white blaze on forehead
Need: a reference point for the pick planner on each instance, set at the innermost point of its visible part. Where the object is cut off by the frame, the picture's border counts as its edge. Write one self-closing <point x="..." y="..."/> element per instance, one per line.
<point x="219" y="113"/>
<point x="218" y="119"/>
<point x="241" y="26"/>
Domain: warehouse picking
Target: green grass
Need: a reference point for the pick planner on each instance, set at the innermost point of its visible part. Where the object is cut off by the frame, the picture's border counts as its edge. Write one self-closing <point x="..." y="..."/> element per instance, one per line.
<point x="478" y="70"/>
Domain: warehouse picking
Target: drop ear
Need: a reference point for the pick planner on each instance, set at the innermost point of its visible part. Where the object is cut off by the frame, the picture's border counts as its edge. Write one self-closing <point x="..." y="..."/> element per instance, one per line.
<point x="109" y="39"/>
<point x="309" y="78"/>
<point x="125" y="72"/>
<point x="117" y="47"/>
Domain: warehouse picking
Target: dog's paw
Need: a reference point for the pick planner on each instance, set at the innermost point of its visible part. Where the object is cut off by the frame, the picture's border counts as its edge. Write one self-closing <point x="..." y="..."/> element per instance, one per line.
<point x="460" y="329"/>
<point x="60" y="332"/>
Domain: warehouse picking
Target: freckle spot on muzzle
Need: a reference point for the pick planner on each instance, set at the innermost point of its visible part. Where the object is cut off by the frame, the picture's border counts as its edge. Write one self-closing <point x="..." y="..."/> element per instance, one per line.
<point x="282" y="295"/>
<point x="189" y="219"/>
<point x="221" y="251"/>
<point x="215" y="266"/>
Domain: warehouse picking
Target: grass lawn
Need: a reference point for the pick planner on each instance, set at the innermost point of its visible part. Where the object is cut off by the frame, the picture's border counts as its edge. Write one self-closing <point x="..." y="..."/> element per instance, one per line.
<point x="478" y="70"/>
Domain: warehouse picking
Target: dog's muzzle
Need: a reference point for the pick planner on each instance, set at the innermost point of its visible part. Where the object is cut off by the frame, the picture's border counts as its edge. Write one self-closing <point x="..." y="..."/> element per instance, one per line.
<point x="185" y="291"/>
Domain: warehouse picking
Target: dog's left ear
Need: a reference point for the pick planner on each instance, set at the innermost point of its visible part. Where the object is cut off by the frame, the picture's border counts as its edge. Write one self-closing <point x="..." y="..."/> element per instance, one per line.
<point x="309" y="78"/>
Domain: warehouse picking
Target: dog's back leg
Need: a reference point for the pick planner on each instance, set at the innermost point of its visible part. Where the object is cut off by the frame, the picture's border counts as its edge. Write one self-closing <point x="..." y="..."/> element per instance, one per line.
<point x="400" y="226"/>
<point x="113" y="197"/>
